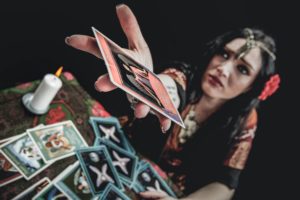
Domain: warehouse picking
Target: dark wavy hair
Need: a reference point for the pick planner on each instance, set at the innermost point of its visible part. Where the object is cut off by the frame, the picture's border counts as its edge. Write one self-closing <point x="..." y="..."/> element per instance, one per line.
<point x="219" y="131"/>
<point x="233" y="114"/>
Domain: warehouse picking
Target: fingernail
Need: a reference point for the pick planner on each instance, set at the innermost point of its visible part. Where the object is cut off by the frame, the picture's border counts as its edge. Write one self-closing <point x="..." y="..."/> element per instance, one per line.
<point x="120" y="5"/>
<point x="99" y="78"/>
<point x="95" y="85"/>
<point x="67" y="40"/>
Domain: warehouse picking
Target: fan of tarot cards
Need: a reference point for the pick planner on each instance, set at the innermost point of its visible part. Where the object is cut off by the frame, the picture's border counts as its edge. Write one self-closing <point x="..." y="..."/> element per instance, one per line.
<point x="107" y="170"/>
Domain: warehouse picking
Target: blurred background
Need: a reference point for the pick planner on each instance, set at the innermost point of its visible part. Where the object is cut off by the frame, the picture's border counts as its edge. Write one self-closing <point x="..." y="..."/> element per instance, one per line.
<point x="32" y="44"/>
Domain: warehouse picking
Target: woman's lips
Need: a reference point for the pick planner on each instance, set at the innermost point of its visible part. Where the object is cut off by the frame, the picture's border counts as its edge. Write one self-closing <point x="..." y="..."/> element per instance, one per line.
<point x="215" y="81"/>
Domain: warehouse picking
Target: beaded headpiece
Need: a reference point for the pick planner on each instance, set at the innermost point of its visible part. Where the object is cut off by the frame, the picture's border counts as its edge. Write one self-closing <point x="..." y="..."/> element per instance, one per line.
<point x="273" y="83"/>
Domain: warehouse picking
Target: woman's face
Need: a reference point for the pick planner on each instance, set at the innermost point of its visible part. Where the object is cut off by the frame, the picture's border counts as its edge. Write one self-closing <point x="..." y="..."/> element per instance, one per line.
<point x="227" y="76"/>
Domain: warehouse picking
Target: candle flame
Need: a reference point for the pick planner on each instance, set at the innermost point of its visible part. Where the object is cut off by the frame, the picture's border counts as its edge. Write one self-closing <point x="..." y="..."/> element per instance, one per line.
<point x="58" y="72"/>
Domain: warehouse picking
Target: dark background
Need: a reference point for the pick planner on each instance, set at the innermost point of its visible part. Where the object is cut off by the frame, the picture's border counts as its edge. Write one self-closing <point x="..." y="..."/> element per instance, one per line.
<point x="32" y="44"/>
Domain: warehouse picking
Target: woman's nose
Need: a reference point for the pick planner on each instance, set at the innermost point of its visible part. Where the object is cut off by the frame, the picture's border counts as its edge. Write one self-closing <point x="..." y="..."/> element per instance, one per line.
<point x="224" y="69"/>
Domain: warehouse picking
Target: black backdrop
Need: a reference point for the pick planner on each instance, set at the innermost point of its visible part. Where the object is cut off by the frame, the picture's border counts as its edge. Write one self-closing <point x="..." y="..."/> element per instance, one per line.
<point x="32" y="44"/>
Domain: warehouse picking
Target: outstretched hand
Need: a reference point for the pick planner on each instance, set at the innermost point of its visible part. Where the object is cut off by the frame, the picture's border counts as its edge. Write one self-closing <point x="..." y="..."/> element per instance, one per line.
<point x="137" y="48"/>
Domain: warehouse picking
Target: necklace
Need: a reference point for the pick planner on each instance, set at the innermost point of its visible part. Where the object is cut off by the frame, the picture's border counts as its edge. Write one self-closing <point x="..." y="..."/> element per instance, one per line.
<point x="191" y="126"/>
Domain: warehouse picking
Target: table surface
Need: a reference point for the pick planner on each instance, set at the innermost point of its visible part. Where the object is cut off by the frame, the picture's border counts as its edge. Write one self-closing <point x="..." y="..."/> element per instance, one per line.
<point x="72" y="102"/>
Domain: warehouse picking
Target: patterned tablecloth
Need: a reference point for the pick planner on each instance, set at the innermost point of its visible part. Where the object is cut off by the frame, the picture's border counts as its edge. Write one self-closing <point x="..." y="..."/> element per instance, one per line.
<point x="71" y="103"/>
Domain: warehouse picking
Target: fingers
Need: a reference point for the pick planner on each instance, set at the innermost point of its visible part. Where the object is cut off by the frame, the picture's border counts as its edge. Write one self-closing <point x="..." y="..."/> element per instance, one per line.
<point x="141" y="110"/>
<point x="153" y="194"/>
<point x="131" y="28"/>
<point x="84" y="43"/>
<point x="165" y="123"/>
<point x="103" y="84"/>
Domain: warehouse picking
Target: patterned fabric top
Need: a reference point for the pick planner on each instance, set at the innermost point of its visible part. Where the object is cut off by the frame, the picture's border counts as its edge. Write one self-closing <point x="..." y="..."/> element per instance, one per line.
<point x="234" y="160"/>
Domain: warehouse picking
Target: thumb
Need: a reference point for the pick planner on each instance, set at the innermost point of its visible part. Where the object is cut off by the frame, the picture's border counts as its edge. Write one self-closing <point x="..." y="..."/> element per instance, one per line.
<point x="103" y="84"/>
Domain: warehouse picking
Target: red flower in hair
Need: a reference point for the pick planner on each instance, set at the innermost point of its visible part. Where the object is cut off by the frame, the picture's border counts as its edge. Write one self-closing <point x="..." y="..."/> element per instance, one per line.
<point x="270" y="87"/>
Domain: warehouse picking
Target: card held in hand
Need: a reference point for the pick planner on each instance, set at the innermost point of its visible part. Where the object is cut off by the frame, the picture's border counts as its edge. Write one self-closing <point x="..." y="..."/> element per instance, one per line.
<point x="135" y="79"/>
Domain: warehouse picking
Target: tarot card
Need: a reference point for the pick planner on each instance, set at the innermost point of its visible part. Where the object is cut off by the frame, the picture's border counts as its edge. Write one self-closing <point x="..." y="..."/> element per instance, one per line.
<point x="23" y="153"/>
<point x="57" y="141"/>
<point x="111" y="192"/>
<point x="124" y="162"/>
<point x="140" y="165"/>
<point x="51" y="192"/>
<point x="5" y="140"/>
<point x="74" y="182"/>
<point x="98" y="167"/>
<point x="136" y="79"/>
<point x="147" y="179"/>
<point x="8" y="173"/>
<point x="109" y="129"/>
<point x="34" y="189"/>
<point x="8" y="139"/>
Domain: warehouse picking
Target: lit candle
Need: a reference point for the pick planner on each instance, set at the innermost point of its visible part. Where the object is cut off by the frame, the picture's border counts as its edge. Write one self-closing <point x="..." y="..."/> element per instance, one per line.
<point x="46" y="92"/>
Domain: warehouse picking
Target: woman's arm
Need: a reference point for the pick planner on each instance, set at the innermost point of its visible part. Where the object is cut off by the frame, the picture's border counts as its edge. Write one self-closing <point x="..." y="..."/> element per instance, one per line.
<point x="212" y="191"/>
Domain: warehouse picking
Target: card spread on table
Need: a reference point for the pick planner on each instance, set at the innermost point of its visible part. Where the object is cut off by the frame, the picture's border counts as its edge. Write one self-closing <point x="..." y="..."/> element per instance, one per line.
<point x="74" y="182"/>
<point x="51" y="191"/>
<point x="33" y="190"/>
<point x="98" y="167"/>
<point x="112" y="192"/>
<point x="136" y="79"/>
<point x="106" y="170"/>
<point x="147" y="179"/>
<point x="124" y="161"/>
<point x="8" y="173"/>
<point x="23" y="154"/>
<point x="57" y="141"/>
<point x="109" y="129"/>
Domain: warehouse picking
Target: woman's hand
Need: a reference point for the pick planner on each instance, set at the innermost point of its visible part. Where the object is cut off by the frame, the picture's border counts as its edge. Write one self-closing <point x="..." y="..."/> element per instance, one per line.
<point x="156" y="195"/>
<point x="137" y="48"/>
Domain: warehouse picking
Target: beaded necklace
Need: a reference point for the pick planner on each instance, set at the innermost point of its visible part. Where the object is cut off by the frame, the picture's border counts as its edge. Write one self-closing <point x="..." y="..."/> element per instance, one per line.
<point x="191" y="126"/>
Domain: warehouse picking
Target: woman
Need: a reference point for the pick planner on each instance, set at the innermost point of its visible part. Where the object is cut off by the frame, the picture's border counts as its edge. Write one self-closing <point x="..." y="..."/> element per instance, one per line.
<point x="217" y="100"/>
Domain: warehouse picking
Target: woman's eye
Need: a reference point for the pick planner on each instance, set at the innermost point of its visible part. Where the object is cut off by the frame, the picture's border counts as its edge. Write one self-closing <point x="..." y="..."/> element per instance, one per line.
<point x="223" y="54"/>
<point x="243" y="69"/>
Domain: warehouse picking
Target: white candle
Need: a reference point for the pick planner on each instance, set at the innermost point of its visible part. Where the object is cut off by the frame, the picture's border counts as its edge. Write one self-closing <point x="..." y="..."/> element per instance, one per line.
<point x="45" y="93"/>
